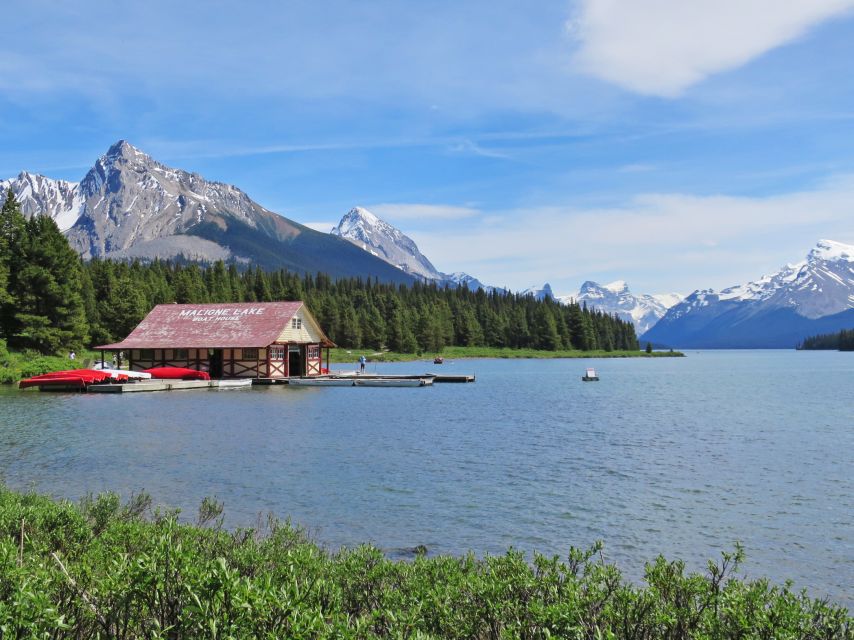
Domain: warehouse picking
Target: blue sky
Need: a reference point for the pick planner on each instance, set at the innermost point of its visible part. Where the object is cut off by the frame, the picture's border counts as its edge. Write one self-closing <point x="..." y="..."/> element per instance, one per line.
<point x="676" y="145"/>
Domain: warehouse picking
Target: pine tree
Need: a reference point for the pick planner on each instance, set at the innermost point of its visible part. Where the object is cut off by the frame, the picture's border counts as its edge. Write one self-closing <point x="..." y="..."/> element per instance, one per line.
<point x="12" y="230"/>
<point x="49" y="311"/>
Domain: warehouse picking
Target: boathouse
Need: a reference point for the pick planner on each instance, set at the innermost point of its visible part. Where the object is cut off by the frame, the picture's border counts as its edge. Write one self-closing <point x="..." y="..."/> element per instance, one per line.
<point x="238" y="340"/>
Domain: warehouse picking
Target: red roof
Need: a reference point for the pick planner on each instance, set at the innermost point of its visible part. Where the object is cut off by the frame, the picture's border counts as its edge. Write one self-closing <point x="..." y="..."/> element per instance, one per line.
<point x="210" y="326"/>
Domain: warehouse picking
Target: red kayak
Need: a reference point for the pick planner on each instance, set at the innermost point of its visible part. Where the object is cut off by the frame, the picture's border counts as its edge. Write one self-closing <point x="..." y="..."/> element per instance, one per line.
<point x="177" y="373"/>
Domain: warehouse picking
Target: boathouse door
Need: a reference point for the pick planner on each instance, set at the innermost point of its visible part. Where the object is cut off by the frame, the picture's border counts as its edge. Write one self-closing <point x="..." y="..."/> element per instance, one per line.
<point x="215" y="368"/>
<point x="295" y="361"/>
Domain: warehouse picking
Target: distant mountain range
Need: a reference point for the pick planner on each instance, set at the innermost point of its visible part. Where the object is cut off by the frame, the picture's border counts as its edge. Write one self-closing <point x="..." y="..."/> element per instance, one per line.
<point x="131" y="206"/>
<point x="378" y="237"/>
<point x="643" y="310"/>
<point x="776" y="311"/>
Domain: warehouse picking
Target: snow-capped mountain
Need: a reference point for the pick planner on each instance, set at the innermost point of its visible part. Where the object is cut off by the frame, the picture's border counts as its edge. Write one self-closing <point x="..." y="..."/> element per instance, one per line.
<point x="615" y="298"/>
<point x="460" y="279"/>
<point x="376" y="236"/>
<point x="539" y="293"/>
<point x="131" y="206"/>
<point x="39" y="195"/>
<point x="777" y="310"/>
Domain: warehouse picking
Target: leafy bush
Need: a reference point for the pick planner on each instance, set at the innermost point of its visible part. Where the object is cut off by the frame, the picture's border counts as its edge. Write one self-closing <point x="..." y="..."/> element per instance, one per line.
<point x="108" y="570"/>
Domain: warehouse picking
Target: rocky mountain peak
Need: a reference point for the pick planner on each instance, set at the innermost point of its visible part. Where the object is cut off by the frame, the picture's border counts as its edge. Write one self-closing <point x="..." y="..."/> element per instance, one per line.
<point x="40" y="195"/>
<point x="376" y="236"/>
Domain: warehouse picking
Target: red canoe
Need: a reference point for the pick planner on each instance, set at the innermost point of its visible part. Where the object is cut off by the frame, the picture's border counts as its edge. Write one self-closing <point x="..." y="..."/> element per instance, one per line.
<point x="76" y="378"/>
<point x="177" y="373"/>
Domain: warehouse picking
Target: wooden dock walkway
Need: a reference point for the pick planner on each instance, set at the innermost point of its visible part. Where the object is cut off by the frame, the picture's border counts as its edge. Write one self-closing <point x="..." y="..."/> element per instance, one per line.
<point x="153" y="385"/>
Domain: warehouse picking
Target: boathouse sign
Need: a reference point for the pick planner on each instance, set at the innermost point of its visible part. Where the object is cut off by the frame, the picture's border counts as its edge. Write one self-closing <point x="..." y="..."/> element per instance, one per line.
<point x="228" y="314"/>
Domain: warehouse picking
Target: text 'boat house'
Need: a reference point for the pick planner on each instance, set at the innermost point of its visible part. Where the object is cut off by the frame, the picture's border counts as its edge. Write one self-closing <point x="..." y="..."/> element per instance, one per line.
<point x="240" y="340"/>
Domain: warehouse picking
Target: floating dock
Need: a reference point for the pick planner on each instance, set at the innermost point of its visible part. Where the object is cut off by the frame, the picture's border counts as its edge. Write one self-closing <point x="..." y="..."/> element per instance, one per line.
<point x="457" y="378"/>
<point x="177" y="385"/>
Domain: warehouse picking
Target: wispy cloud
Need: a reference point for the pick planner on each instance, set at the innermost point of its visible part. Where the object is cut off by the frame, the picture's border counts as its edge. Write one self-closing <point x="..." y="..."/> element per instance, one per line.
<point x="472" y="147"/>
<point x="323" y="226"/>
<point x="668" y="240"/>
<point x="661" y="47"/>
<point x="410" y="211"/>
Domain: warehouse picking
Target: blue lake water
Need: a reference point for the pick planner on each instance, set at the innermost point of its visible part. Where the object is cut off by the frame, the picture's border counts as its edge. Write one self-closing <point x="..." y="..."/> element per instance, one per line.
<point x="680" y="456"/>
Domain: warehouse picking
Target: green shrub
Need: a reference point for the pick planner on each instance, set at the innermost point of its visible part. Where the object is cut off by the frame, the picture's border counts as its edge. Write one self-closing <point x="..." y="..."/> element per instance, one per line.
<point x="104" y="569"/>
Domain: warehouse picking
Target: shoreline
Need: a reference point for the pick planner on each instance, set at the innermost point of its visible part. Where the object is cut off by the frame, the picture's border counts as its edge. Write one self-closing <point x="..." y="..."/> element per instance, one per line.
<point x="494" y="353"/>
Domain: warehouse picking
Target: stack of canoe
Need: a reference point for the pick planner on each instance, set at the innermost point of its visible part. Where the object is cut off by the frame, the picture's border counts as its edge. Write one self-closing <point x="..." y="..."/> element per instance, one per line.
<point x="72" y="379"/>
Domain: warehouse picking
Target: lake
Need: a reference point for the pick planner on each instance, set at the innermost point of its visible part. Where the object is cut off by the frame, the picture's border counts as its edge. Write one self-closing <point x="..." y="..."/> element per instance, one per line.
<point x="680" y="456"/>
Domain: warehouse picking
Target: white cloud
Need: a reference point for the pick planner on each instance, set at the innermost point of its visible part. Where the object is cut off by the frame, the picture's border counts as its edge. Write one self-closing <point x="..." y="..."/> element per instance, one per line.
<point x="324" y="227"/>
<point x="410" y="211"/>
<point x="661" y="47"/>
<point x="668" y="241"/>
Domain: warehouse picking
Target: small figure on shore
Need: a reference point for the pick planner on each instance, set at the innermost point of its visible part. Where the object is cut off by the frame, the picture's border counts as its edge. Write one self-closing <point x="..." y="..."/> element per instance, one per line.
<point x="72" y="355"/>
<point x="114" y="361"/>
<point x="362" y="361"/>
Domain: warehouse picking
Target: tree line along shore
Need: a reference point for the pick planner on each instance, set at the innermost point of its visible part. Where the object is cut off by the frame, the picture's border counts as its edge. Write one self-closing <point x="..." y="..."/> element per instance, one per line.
<point x="104" y="569"/>
<point x="52" y="302"/>
<point x="842" y="341"/>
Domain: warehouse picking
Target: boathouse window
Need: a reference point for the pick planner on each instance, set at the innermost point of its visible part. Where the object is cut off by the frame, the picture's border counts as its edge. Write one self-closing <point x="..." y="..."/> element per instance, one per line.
<point x="146" y="354"/>
<point x="312" y="352"/>
<point x="296" y="323"/>
<point x="250" y="354"/>
<point x="181" y="354"/>
<point x="277" y="352"/>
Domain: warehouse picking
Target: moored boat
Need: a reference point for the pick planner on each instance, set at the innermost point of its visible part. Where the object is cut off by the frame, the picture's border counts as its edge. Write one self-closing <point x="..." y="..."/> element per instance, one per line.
<point x="590" y="375"/>
<point x="321" y="382"/>
<point x="236" y="383"/>
<point x="393" y="382"/>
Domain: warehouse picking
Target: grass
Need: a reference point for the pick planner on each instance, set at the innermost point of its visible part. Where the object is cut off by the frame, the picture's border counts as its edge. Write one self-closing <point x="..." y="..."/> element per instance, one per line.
<point x="103" y="569"/>
<point x="17" y="365"/>
<point x="459" y="353"/>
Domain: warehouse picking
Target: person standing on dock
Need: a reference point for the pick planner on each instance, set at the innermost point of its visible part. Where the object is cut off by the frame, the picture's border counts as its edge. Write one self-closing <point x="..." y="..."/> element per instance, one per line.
<point x="362" y="361"/>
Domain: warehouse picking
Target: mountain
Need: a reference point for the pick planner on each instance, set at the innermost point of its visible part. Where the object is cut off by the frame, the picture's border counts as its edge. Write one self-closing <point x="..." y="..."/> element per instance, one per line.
<point x="460" y="279"/>
<point x="776" y="311"/>
<point x="539" y="293"/>
<point x="59" y="199"/>
<point x="131" y="206"/>
<point x="379" y="238"/>
<point x="643" y="310"/>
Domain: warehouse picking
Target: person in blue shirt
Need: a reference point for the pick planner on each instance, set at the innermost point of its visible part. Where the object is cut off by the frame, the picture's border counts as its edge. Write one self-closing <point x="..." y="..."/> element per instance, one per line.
<point x="362" y="361"/>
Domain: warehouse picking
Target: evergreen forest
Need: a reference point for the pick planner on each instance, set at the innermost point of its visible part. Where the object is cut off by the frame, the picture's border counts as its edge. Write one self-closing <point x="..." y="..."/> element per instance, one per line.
<point x="52" y="301"/>
<point x="842" y="341"/>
